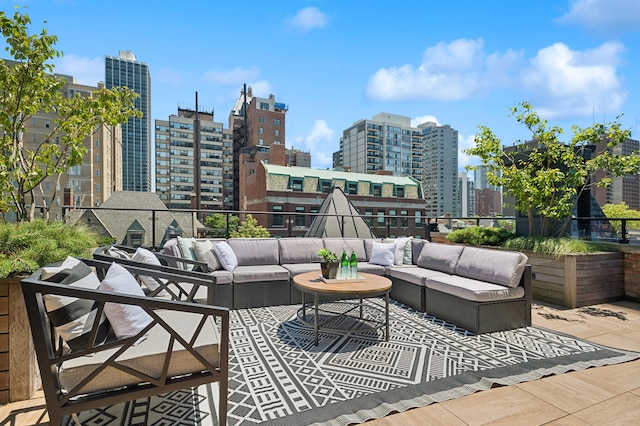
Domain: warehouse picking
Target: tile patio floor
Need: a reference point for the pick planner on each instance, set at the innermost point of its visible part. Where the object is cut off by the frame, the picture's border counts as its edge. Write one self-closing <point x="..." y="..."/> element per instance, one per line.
<point x="597" y="396"/>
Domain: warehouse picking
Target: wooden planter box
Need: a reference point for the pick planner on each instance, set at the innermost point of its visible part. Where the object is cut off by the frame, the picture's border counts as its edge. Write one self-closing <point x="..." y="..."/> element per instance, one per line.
<point x="19" y="374"/>
<point x="578" y="280"/>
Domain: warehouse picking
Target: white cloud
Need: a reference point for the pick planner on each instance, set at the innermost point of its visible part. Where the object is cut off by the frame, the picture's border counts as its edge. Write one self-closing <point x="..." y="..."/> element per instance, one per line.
<point x="235" y="76"/>
<point x="604" y="16"/>
<point x="449" y="71"/>
<point x="564" y="82"/>
<point x="316" y="142"/>
<point x="424" y="119"/>
<point x="464" y="143"/>
<point x="307" y="19"/>
<point x="88" y="71"/>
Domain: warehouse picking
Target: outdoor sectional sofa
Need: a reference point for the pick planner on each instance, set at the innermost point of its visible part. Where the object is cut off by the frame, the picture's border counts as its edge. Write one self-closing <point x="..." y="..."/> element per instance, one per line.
<point x="479" y="289"/>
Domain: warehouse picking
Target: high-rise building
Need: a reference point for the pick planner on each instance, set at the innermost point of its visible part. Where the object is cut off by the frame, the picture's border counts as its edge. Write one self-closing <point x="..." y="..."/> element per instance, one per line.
<point x="189" y="160"/>
<point x="85" y="185"/>
<point x="295" y="157"/>
<point x="126" y="71"/>
<point x="386" y="142"/>
<point x="255" y="122"/>
<point x="440" y="169"/>
<point x="623" y="188"/>
<point x="467" y="195"/>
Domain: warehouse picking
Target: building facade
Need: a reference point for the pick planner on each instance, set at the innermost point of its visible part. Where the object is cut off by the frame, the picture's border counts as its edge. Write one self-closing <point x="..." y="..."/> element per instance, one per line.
<point x="85" y="185"/>
<point x="392" y="205"/>
<point x="386" y="142"/>
<point x="126" y="71"/>
<point x="189" y="159"/>
<point x="623" y="188"/>
<point x="467" y="195"/>
<point x="440" y="170"/>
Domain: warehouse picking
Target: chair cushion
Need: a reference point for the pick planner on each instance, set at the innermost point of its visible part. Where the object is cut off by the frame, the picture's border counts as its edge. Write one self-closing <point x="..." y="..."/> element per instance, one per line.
<point x="414" y="274"/>
<point x="371" y="268"/>
<point x="494" y="266"/>
<point x="126" y="320"/>
<point x="299" y="250"/>
<point x="226" y="256"/>
<point x="439" y="257"/>
<point x="147" y="356"/>
<point x="255" y="251"/>
<point x="475" y="290"/>
<point x="300" y="268"/>
<point x="249" y="274"/>
<point x="73" y="317"/>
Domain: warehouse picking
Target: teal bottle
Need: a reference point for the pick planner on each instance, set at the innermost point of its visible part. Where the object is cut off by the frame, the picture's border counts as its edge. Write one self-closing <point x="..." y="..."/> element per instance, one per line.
<point x="344" y="266"/>
<point x="353" y="265"/>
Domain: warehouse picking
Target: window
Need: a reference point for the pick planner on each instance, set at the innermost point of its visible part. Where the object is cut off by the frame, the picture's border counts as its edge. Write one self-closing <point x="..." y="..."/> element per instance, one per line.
<point x="376" y="189"/>
<point x="368" y="216"/>
<point x="260" y="141"/>
<point x="399" y="191"/>
<point x="380" y="217"/>
<point x="418" y="216"/>
<point x="324" y="185"/>
<point x="97" y="158"/>
<point x="276" y="121"/>
<point x="261" y="119"/>
<point x="97" y="143"/>
<point x="393" y="220"/>
<point x="296" y="184"/>
<point x="47" y="124"/>
<point x="404" y="221"/>
<point x="261" y="130"/>
<point x="74" y="171"/>
<point x="277" y="132"/>
<point x="352" y="188"/>
<point x="97" y="172"/>
<point x="97" y="187"/>
<point x="264" y="105"/>
<point x="277" y="218"/>
<point x="300" y="218"/>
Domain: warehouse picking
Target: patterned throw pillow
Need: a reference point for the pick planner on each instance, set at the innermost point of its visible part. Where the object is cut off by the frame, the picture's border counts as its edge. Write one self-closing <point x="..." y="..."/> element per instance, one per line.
<point x="72" y="317"/>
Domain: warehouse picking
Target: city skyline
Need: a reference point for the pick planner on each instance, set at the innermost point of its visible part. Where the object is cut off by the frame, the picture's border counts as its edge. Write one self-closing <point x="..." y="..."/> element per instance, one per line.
<point x="333" y="63"/>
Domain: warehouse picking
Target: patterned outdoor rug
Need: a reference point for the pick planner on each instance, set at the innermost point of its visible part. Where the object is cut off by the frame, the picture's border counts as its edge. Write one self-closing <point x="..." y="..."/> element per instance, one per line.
<point x="278" y="377"/>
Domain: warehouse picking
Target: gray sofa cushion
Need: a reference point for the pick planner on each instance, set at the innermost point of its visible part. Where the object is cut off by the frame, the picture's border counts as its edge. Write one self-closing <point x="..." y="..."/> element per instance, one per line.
<point x="300" y="268"/>
<point x="414" y="274"/>
<point x="250" y="274"/>
<point x="368" y="245"/>
<point x="255" y="251"/>
<point x="371" y="268"/>
<point x="493" y="266"/>
<point x="222" y="276"/>
<point x="475" y="290"/>
<point x="416" y="248"/>
<point x="439" y="257"/>
<point x="336" y="245"/>
<point x="147" y="356"/>
<point x="299" y="250"/>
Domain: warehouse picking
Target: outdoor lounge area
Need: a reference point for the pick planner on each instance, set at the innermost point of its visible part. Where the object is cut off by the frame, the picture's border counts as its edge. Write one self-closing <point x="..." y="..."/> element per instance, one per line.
<point x="423" y="374"/>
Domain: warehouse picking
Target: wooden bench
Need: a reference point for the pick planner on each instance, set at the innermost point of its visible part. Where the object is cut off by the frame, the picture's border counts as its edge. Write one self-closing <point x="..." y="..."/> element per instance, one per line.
<point x="186" y="344"/>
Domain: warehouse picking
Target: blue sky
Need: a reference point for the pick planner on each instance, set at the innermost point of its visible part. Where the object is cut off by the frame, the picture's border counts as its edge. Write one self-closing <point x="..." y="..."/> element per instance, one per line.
<point x="464" y="63"/>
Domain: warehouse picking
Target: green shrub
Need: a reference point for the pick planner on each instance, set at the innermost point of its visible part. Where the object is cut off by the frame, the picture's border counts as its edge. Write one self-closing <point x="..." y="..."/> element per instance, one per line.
<point x="555" y="246"/>
<point x="480" y="236"/>
<point x="26" y="246"/>
<point x="249" y="228"/>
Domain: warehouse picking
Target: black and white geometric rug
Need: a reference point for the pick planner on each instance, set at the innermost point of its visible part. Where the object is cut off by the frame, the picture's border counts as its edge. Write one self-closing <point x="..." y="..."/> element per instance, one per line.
<point x="278" y="377"/>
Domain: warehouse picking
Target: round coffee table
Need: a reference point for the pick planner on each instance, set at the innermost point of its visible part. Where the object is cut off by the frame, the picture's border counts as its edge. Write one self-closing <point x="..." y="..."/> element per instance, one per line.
<point x="370" y="286"/>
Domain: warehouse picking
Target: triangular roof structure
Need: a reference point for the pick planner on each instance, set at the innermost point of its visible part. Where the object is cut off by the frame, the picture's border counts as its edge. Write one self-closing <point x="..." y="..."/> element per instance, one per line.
<point x="338" y="217"/>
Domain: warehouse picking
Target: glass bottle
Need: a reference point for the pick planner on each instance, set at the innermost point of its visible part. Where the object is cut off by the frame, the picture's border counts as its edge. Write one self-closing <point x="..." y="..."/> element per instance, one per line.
<point x="353" y="265"/>
<point x="344" y="265"/>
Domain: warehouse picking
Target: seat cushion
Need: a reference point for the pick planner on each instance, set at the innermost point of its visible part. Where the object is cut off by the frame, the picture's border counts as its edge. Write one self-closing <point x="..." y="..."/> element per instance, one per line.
<point x="414" y="274"/>
<point x="475" y="290"/>
<point x="371" y="268"/>
<point x="249" y="274"/>
<point x="147" y="356"/>
<point x="300" y="268"/>
<point x="222" y="276"/>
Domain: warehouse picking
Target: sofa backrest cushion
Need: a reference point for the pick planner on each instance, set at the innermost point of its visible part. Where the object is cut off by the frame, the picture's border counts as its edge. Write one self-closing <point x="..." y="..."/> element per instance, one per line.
<point x="416" y="248"/>
<point x="494" y="266"/>
<point x="368" y="245"/>
<point x="255" y="251"/>
<point x="439" y="257"/>
<point x="337" y="245"/>
<point x="299" y="250"/>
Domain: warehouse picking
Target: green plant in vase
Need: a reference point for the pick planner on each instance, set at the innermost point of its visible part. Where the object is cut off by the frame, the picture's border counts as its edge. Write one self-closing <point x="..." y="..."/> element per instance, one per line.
<point x="329" y="264"/>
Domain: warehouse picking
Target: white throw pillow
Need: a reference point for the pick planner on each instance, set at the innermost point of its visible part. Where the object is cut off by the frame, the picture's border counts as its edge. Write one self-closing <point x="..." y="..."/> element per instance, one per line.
<point x="225" y="255"/>
<point x="126" y="320"/>
<point x="204" y="253"/>
<point x="186" y="250"/>
<point x="383" y="254"/>
<point x="143" y="255"/>
<point x="403" y="250"/>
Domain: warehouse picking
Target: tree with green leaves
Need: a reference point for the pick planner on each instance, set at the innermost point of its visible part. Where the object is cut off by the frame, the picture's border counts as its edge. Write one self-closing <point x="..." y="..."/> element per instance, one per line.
<point x="548" y="177"/>
<point x="27" y="87"/>
<point x="249" y="228"/>
<point x="621" y="210"/>
<point x="218" y="227"/>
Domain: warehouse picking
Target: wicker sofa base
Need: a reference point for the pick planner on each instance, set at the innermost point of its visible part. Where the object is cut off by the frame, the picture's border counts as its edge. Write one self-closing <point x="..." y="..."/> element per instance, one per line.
<point x="408" y="294"/>
<point x="478" y="317"/>
<point x="262" y="293"/>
